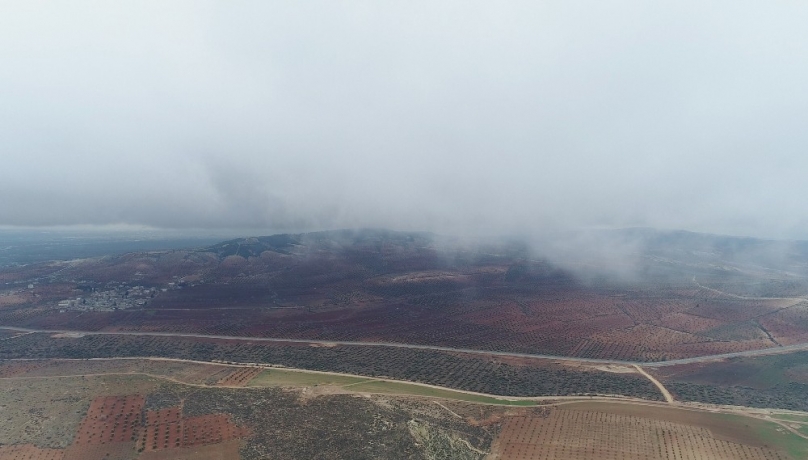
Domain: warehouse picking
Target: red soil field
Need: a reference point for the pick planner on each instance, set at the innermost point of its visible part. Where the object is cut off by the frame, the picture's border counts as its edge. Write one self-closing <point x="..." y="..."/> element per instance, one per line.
<point x="170" y="415"/>
<point x="29" y="452"/>
<point x="162" y="436"/>
<point x="223" y="451"/>
<point x="111" y="419"/>
<point x="210" y="429"/>
<point x="107" y="451"/>
<point x="240" y="377"/>
<point x="166" y="429"/>
<point x="117" y="427"/>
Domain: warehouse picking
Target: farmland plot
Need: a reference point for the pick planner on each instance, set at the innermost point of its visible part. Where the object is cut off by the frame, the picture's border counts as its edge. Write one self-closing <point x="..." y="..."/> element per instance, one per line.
<point x="240" y="376"/>
<point x="29" y="452"/>
<point x="582" y="435"/>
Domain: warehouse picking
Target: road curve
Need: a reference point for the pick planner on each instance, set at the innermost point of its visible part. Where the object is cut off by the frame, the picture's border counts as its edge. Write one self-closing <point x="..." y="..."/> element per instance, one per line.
<point x="413" y="346"/>
<point x="665" y="393"/>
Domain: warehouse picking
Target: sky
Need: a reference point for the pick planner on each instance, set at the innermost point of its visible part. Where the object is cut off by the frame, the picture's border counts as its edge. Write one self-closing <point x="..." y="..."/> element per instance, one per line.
<point x="457" y="117"/>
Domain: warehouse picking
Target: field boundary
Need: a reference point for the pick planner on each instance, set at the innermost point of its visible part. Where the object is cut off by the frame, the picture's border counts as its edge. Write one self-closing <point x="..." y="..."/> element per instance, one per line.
<point x="506" y="400"/>
<point x="542" y="401"/>
<point x="797" y="347"/>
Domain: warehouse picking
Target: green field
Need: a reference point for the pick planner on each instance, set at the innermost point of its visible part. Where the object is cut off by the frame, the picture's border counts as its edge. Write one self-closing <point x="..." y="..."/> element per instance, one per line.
<point x="287" y="377"/>
<point x="791" y="417"/>
<point x="775" y="435"/>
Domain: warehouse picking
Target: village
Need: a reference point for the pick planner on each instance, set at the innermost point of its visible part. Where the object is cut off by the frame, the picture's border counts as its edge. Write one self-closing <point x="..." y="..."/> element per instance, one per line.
<point x="114" y="297"/>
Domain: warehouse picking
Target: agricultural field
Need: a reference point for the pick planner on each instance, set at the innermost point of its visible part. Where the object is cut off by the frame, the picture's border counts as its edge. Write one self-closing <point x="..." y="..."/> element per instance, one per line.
<point x="138" y="417"/>
<point x="240" y="377"/>
<point x="67" y="393"/>
<point x="482" y="374"/>
<point x="776" y="381"/>
<point x="284" y="413"/>
<point x="382" y="286"/>
<point x="29" y="452"/>
<point x="110" y="420"/>
<point x="179" y="371"/>
<point x="581" y="431"/>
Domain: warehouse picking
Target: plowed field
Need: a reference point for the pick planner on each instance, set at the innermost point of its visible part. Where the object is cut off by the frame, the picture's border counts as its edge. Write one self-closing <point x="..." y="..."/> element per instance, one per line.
<point x="29" y="452"/>
<point x="584" y="435"/>
<point x="112" y="419"/>
<point x="240" y="377"/>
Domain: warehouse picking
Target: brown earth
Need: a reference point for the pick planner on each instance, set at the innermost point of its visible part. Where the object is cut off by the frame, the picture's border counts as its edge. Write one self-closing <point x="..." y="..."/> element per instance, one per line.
<point x="228" y="450"/>
<point x="210" y="429"/>
<point x="240" y="377"/>
<point x="169" y="415"/>
<point x="29" y="452"/>
<point x="107" y="451"/>
<point x="167" y="429"/>
<point x="111" y="419"/>
<point x="580" y="434"/>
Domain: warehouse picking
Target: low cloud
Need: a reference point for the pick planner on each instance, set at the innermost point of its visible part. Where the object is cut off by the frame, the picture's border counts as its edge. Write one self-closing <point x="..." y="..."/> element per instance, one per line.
<point x="465" y="118"/>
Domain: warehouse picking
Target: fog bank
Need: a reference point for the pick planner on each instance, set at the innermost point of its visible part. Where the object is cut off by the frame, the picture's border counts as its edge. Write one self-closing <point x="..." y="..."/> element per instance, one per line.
<point x="458" y="117"/>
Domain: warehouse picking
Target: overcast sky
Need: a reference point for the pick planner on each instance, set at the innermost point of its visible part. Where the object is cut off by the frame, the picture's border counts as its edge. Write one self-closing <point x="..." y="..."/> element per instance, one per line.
<point x="472" y="117"/>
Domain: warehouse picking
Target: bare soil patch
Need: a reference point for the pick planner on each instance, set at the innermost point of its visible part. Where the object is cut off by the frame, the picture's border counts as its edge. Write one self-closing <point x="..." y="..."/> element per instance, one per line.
<point x="29" y="452"/>
<point x="106" y="451"/>
<point x="240" y="377"/>
<point x="68" y="335"/>
<point x="169" y="415"/>
<point x="210" y="429"/>
<point x="166" y="429"/>
<point x="223" y="451"/>
<point x="111" y="419"/>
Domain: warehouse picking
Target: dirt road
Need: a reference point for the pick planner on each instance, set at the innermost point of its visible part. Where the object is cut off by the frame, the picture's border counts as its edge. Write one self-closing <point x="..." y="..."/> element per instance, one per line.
<point x="671" y="362"/>
<point x="662" y="389"/>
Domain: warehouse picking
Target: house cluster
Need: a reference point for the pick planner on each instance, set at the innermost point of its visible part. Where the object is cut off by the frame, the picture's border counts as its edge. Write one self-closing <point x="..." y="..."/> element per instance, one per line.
<point x="115" y="297"/>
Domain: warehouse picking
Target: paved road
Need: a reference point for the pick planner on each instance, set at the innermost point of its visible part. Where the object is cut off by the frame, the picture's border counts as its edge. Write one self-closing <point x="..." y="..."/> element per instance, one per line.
<point x="412" y="346"/>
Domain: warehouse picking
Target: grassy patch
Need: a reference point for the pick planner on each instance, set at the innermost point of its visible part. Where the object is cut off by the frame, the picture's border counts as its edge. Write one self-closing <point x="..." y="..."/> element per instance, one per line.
<point x="781" y="438"/>
<point x="403" y="388"/>
<point x="791" y="417"/>
<point x="287" y="377"/>
<point x="283" y="377"/>
<point x="776" y="436"/>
